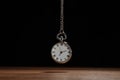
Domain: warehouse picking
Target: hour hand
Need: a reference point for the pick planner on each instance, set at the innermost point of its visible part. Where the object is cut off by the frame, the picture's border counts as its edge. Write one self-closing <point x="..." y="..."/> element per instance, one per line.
<point x="60" y="53"/>
<point x="64" y="51"/>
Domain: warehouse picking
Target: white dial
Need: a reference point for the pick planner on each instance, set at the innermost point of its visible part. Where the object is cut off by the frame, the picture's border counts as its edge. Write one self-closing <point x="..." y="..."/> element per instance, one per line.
<point x="61" y="52"/>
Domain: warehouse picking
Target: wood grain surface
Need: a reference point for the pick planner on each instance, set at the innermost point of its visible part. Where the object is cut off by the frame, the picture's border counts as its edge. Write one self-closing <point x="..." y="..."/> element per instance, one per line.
<point x="30" y="73"/>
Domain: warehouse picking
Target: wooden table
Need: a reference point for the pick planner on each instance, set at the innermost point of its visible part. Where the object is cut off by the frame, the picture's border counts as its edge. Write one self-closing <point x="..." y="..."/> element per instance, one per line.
<point x="36" y="73"/>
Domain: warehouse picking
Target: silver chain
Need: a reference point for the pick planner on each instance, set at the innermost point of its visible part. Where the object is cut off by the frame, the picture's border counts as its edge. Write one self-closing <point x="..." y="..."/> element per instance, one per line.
<point x="62" y="35"/>
<point x="62" y="16"/>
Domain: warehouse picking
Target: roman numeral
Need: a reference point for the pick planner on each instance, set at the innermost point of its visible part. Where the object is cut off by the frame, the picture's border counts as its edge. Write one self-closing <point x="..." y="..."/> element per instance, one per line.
<point x="53" y="51"/>
<point x="68" y="56"/>
<point x="53" y="55"/>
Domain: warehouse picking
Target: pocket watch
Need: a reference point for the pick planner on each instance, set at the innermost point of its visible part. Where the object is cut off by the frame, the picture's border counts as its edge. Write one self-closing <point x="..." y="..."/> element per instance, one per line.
<point x="61" y="52"/>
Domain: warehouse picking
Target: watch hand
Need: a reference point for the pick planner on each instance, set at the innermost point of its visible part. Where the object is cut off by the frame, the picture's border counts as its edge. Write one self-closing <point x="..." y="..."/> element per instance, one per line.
<point x="64" y="51"/>
<point x="60" y="53"/>
<point x="60" y="48"/>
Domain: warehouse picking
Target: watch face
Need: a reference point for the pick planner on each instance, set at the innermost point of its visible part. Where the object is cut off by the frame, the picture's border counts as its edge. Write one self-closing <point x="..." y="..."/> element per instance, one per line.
<point x="61" y="52"/>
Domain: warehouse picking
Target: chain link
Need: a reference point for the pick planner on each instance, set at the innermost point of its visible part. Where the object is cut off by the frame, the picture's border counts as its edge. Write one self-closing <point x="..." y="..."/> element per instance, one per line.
<point x="62" y="35"/>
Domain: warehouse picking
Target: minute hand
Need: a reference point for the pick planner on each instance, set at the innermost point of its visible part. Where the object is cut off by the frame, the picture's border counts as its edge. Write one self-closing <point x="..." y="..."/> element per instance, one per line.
<point x="60" y="48"/>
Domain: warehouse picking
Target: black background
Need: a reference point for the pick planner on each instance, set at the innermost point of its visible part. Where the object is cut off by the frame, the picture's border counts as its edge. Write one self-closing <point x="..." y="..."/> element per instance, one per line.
<point x="93" y="39"/>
